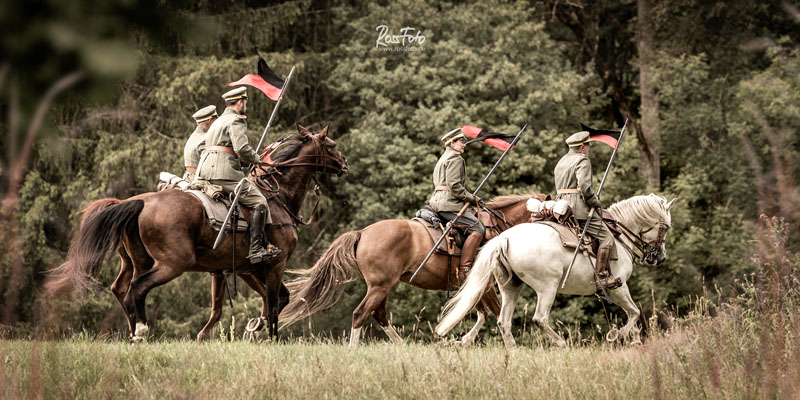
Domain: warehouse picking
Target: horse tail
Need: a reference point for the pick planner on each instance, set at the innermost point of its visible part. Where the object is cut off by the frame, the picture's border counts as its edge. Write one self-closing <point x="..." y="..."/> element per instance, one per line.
<point x="321" y="286"/>
<point x="99" y="232"/>
<point x="491" y="258"/>
<point x="95" y="207"/>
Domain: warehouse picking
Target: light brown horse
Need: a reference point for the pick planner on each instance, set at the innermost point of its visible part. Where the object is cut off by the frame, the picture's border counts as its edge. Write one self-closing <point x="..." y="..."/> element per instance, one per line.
<point x="386" y="253"/>
<point x="161" y="235"/>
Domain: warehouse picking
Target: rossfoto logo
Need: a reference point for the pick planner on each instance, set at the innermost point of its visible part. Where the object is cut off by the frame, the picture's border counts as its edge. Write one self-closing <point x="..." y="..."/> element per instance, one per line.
<point x="409" y="39"/>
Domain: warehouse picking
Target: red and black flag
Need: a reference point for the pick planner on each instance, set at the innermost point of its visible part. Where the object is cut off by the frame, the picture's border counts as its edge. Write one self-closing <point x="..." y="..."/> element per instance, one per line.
<point x="610" y="138"/>
<point x="266" y="81"/>
<point x="494" y="139"/>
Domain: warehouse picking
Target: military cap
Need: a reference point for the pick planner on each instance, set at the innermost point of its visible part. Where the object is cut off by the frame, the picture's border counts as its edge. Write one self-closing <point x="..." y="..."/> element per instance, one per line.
<point x="578" y="139"/>
<point x="204" y="114"/>
<point x="453" y="135"/>
<point x="235" y="94"/>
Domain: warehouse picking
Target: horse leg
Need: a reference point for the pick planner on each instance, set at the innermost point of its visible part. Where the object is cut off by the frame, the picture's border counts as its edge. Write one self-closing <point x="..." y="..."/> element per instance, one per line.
<point x="260" y="288"/>
<point x="375" y="296"/>
<point x="380" y="315"/>
<point x="469" y="338"/>
<point x="509" y="293"/>
<point x="490" y="302"/>
<point x="544" y="300"/>
<point x="622" y="297"/>
<point x="273" y="283"/>
<point x="122" y="283"/>
<point x="217" y="301"/>
<point x="139" y="289"/>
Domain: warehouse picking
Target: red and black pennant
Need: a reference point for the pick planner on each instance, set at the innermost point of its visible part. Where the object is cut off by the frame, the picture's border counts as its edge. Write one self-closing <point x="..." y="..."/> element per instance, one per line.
<point x="494" y="139"/>
<point x="266" y="81"/>
<point x="610" y="138"/>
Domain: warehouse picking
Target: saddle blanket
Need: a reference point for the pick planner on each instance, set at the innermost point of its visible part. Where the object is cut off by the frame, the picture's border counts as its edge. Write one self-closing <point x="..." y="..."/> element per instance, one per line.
<point x="435" y="233"/>
<point x="217" y="210"/>
<point x="570" y="240"/>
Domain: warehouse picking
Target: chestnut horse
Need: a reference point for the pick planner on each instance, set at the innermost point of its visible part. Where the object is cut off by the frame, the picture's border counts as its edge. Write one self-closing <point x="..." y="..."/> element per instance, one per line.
<point x="386" y="253"/>
<point x="161" y="235"/>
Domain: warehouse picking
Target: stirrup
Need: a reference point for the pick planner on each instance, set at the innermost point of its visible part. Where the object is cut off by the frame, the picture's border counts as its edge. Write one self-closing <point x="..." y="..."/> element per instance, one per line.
<point x="259" y="256"/>
<point x="608" y="283"/>
<point x="462" y="275"/>
<point x="272" y="250"/>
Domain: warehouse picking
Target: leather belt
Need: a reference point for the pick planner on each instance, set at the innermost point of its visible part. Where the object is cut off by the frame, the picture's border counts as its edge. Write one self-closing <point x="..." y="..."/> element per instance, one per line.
<point x="191" y="170"/>
<point x="567" y="191"/>
<point x="221" y="148"/>
<point x="440" y="187"/>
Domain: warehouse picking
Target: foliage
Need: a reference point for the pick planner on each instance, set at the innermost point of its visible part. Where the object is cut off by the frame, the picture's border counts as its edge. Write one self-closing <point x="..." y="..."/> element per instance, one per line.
<point x="728" y="119"/>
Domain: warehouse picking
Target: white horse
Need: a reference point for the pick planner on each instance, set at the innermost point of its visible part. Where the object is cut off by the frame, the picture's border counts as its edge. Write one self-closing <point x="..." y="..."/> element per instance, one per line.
<point x="533" y="254"/>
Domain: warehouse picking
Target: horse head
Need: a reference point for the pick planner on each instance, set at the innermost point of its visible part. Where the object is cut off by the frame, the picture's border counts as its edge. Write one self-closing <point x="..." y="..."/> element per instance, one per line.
<point x="648" y="219"/>
<point x="322" y="151"/>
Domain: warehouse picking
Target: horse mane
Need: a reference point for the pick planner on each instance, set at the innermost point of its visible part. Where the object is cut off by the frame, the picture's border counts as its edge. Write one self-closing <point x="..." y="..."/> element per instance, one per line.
<point x="641" y="210"/>
<point x="287" y="150"/>
<point x="507" y="200"/>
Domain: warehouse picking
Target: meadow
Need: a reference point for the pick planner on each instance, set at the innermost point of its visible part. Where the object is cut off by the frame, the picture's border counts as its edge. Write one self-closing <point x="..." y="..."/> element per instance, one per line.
<point x="733" y="355"/>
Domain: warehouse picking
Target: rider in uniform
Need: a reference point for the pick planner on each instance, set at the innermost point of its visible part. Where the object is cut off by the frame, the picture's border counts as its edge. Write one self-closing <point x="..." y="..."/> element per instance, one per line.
<point x="221" y="164"/>
<point x="450" y="195"/>
<point x="573" y="178"/>
<point x="204" y="117"/>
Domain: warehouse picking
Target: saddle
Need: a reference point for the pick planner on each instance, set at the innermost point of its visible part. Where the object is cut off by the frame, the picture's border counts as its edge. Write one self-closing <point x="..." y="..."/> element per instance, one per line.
<point x="215" y="204"/>
<point x="558" y="215"/>
<point x="431" y="220"/>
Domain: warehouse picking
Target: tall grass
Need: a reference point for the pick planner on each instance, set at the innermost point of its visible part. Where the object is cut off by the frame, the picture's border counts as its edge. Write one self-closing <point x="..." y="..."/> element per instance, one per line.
<point x="751" y="349"/>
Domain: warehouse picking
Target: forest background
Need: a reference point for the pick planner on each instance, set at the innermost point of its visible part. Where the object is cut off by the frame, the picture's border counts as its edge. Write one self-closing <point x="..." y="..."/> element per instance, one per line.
<point x="96" y="99"/>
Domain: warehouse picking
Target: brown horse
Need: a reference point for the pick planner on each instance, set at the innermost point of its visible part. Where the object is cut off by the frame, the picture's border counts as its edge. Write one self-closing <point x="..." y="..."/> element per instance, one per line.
<point x="161" y="235"/>
<point x="386" y="253"/>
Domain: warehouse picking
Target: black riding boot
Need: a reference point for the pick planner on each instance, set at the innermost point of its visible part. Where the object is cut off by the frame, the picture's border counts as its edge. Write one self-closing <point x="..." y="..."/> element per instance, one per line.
<point x="468" y="255"/>
<point x="257" y="251"/>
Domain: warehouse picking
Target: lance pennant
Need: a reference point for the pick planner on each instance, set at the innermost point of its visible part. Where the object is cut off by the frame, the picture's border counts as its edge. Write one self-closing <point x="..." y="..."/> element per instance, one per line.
<point x="266" y="81"/>
<point x="494" y="139"/>
<point x="608" y="137"/>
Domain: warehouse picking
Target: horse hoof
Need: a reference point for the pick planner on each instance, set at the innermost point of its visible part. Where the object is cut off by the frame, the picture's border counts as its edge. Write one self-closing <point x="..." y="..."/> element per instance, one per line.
<point x="141" y="330"/>
<point x="138" y="339"/>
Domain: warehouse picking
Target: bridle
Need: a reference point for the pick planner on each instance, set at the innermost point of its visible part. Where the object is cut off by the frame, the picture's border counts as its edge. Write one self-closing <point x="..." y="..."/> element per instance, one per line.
<point x="299" y="161"/>
<point x="270" y="169"/>
<point x="649" y="249"/>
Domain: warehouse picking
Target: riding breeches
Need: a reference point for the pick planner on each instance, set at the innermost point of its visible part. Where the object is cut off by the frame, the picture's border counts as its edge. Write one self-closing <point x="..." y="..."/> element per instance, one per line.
<point x="467" y="220"/>
<point x="600" y="231"/>
<point x="250" y="197"/>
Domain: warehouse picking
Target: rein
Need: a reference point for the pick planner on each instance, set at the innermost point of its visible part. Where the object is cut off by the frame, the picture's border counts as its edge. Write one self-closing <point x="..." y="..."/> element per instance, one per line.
<point x="496" y="215"/>
<point x="647" y="248"/>
<point x="270" y="169"/>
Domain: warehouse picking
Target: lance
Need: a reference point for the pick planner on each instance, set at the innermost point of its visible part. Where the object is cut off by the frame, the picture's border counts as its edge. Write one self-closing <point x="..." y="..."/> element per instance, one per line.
<point x="591" y="213"/>
<point x="464" y="208"/>
<point x="239" y="187"/>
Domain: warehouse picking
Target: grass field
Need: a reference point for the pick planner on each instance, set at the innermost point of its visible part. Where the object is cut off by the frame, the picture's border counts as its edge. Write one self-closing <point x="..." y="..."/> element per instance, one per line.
<point x="684" y="364"/>
<point x="87" y="369"/>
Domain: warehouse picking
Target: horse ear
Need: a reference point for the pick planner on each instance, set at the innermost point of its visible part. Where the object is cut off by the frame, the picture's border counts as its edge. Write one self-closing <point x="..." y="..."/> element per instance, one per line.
<point x="302" y="130"/>
<point x="671" y="203"/>
<point x="324" y="132"/>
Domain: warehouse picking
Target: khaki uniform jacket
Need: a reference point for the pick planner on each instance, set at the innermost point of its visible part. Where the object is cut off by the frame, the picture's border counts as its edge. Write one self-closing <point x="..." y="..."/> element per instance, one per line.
<point x="229" y="130"/>
<point x="192" y="150"/>
<point x="450" y="171"/>
<point x="574" y="171"/>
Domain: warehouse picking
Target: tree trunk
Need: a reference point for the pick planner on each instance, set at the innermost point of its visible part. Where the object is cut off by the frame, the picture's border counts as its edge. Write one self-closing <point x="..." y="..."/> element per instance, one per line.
<point x="648" y="134"/>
